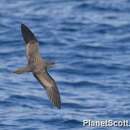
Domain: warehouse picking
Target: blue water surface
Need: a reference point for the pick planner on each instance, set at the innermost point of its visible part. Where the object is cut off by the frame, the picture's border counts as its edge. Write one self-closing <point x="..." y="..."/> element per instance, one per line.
<point x="90" y="42"/>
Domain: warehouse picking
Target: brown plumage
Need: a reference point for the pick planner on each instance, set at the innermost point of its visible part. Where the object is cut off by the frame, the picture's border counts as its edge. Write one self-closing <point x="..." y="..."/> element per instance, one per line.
<point x="38" y="66"/>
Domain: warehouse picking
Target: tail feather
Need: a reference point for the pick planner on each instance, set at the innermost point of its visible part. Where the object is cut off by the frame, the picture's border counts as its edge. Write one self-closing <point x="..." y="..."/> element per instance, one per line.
<point x="22" y="70"/>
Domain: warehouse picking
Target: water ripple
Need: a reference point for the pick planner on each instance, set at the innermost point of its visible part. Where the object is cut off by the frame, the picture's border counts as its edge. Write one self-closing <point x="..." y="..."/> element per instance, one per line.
<point x="88" y="40"/>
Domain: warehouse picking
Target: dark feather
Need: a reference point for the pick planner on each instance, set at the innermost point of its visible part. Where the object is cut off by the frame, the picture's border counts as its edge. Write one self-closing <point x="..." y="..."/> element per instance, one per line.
<point x="27" y="34"/>
<point x="49" y="84"/>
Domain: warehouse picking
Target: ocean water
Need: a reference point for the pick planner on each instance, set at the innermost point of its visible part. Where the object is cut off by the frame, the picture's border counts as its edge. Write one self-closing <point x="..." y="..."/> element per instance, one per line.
<point x="90" y="42"/>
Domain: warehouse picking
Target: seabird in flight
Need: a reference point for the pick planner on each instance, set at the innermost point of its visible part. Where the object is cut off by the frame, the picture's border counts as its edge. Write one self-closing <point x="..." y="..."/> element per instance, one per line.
<point x="39" y="66"/>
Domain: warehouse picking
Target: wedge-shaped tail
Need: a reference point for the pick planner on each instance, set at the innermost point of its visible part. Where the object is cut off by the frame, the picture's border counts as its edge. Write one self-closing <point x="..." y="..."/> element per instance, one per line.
<point x="23" y="70"/>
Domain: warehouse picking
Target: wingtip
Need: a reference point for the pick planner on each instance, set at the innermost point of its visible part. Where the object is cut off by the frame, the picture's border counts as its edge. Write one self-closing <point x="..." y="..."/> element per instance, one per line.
<point x="57" y="105"/>
<point x="23" y="27"/>
<point x="27" y="33"/>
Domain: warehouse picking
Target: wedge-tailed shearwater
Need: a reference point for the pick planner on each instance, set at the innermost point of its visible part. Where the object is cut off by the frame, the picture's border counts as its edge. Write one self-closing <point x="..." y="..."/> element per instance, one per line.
<point x="39" y="66"/>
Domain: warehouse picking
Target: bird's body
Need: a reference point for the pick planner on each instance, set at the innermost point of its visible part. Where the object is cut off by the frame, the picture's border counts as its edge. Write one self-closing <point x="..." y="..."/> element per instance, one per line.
<point x="38" y="66"/>
<point x="34" y="59"/>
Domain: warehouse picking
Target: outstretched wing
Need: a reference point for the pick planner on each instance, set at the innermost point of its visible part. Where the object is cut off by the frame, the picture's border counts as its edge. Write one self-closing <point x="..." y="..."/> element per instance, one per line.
<point x="49" y="84"/>
<point x="30" y="42"/>
<point x="27" y="34"/>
